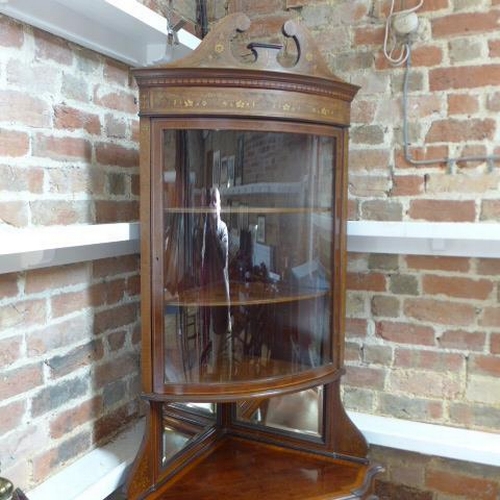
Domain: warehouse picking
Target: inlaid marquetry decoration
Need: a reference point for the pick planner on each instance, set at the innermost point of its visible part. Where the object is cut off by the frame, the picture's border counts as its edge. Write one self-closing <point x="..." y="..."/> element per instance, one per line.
<point x="288" y="87"/>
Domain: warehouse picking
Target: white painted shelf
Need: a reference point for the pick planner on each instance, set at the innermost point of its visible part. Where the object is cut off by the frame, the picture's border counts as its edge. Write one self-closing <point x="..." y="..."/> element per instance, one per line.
<point x="31" y="248"/>
<point x="122" y="29"/>
<point x="454" y="239"/>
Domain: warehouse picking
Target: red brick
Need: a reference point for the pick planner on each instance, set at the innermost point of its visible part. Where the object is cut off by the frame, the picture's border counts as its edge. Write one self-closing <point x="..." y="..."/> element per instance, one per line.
<point x="55" y="212"/>
<point x="115" y="317"/>
<point x="116" y="155"/>
<point x="8" y="285"/>
<point x="355" y="327"/>
<point x="494" y="48"/>
<point x="369" y="35"/>
<point x="435" y="153"/>
<point x="462" y="486"/>
<point x="133" y="286"/>
<point x="485" y="365"/>
<point x="24" y="109"/>
<point x="115" y="369"/>
<point x="12" y="416"/>
<point x="15" y="213"/>
<point x="78" y="357"/>
<point x="490" y="316"/>
<point x="430" y="55"/>
<point x="23" y="314"/>
<point x="382" y="209"/>
<point x="96" y="295"/>
<point x="495" y="343"/>
<point x="21" y="179"/>
<point x="405" y="333"/>
<point x="10" y="350"/>
<point x="120" y="101"/>
<point x="489" y="267"/>
<point x="429" y="360"/>
<point x="68" y="118"/>
<point x="116" y="211"/>
<point x="115" y="266"/>
<point x="13" y="143"/>
<point x="464" y="77"/>
<point x="440" y="311"/>
<point x="463" y="340"/>
<point x="57" y="335"/>
<point x="366" y="281"/>
<point x="408" y="185"/>
<point x="442" y="210"/>
<point x="433" y="5"/>
<point x="20" y="380"/>
<point x="68" y="420"/>
<point x="424" y="383"/>
<point x="365" y="377"/>
<point x="48" y="46"/>
<point x="12" y="33"/>
<point x="452" y="130"/>
<point x="462" y="104"/>
<point x="48" y="278"/>
<point x="369" y="159"/>
<point x="425" y="105"/>
<point x="465" y="24"/>
<point x="89" y="180"/>
<point x="431" y="263"/>
<point x="62" y="148"/>
<point x="352" y="352"/>
<point x="466" y="288"/>
<point x="116" y="72"/>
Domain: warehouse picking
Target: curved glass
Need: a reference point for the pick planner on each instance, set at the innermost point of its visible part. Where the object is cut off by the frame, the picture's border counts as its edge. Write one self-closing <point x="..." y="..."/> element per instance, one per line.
<point x="247" y="254"/>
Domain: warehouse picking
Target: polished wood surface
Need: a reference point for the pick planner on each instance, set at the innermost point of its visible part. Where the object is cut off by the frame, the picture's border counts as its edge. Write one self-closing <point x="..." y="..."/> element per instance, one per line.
<point x="245" y="470"/>
<point x="215" y="90"/>
<point x="246" y="294"/>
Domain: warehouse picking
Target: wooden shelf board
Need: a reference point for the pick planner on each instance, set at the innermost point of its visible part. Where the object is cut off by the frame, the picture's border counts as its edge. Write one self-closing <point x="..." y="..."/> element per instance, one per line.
<point x="238" y="468"/>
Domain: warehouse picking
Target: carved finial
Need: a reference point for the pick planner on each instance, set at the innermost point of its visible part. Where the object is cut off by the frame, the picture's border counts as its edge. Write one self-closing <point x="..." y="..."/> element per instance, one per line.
<point x="216" y="51"/>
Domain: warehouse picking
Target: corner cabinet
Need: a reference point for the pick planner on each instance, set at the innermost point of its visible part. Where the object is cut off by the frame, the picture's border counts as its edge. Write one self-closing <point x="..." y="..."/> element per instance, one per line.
<point x="243" y="208"/>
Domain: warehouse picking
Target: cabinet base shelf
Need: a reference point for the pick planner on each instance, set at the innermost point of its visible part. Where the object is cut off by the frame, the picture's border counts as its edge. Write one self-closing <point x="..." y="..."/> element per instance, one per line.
<point x="237" y="468"/>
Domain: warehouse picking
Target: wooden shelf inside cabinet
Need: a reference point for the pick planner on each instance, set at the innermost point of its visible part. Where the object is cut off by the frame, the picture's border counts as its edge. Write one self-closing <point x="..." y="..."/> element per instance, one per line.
<point x="248" y="210"/>
<point x="241" y="294"/>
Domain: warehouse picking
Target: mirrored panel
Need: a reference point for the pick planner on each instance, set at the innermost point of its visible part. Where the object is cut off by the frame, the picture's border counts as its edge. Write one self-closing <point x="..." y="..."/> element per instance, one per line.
<point x="183" y="423"/>
<point x="300" y="412"/>
<point x="247" y="254"/>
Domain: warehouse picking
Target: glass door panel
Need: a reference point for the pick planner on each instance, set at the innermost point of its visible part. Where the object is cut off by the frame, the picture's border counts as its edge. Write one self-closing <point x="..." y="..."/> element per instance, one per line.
<point x="247" y="254"/>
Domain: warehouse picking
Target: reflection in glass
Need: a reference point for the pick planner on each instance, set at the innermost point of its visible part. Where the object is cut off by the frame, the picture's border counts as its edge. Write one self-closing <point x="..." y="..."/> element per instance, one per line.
<point x="173" y="442"/>
<point x="298" y="412"/>
<point x="247" y="280"/>
<point x="183" y="423"/>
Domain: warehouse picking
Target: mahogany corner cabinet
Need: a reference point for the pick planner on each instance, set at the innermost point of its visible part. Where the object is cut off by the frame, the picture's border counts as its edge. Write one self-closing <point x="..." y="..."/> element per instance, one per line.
<point x="243" y="156"/>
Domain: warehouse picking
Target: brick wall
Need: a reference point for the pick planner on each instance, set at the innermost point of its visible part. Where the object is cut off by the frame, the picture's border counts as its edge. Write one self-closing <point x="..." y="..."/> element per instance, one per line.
<point x="422" y="332"/>
<point x="69" y="335"/>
